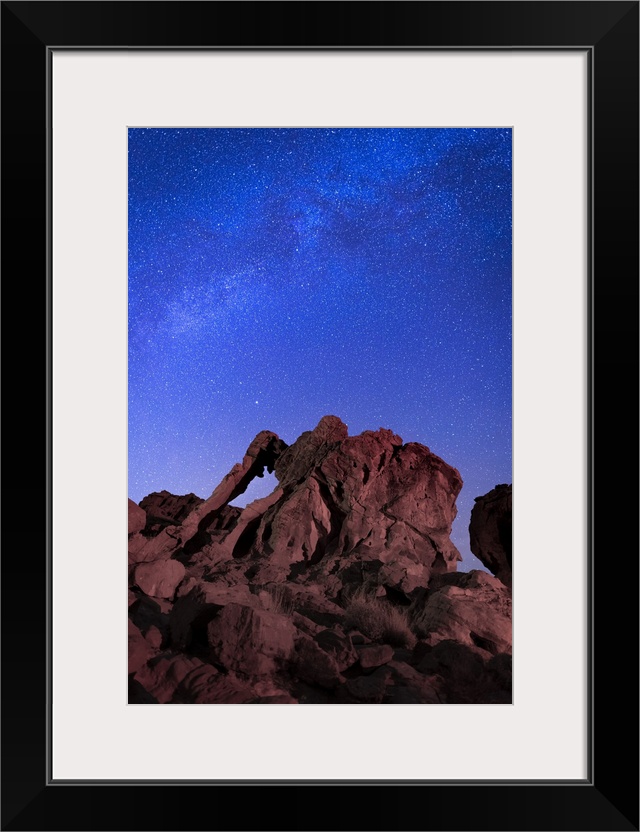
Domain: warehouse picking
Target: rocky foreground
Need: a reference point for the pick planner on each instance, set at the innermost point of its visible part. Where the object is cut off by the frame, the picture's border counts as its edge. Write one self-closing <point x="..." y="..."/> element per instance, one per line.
<point x="339" y="587"/>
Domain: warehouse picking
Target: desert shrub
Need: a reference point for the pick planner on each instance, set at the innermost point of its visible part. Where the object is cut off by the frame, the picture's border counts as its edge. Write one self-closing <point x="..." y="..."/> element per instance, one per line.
<point x="378" y="619"/>
<point x="281" y="601"/>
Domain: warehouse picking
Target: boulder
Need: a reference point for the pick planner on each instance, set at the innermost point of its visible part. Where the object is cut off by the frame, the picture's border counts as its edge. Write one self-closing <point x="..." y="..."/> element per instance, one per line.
<point x="374" y="655"/>
<point x="137" y="695"/>
<point x="137" y="518"/>
<point x="471" y="608"/>
<point x="355" y="507"/>
<point x="338" y="646"/>
<point x="160" y="547"/>
<point x="468" y="674"/>
<point x="161" y="676"/>
<point x="148" y="612"/>
<point x="369" y="689"/>
<point x="315" y="665"/>
<point x="277" y="699"/>
<point x="154" y="637"/>
<point x="159" y="578"/>
<point x="140" y="651"/>
<point x="206" y="685"/>
<point x="192" y="612"/>
<point x="410" y="687"/>
<point x="251" y="641"/>
<point x="490" y="531"/>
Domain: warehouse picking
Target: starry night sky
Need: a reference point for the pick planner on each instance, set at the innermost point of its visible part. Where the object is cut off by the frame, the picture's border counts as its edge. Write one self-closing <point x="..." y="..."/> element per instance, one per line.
<point x="276" y="276"/>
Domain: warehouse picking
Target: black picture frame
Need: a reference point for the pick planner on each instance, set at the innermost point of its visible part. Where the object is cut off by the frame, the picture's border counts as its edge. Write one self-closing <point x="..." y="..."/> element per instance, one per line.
<point x="608" y="798"/>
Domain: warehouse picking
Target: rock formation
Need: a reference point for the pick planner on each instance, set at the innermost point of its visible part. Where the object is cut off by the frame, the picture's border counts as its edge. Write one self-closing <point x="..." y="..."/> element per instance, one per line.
<point x="490" y="531"/>
<point x="339" y="586"/>
<point x="165" y="509"/>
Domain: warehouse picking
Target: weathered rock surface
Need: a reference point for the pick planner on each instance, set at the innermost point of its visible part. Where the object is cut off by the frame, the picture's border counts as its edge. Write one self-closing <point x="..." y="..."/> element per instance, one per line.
<point x="350" y="507"/>
<point x="146" y="612"/>
<point x="467" y="674"/>
<point x="490" y="531"/>
<point x="368" y="689"/>
<point x="315" y="665"/>
<point x="374" y="655"/>
<point x="192" y="612"/>
<point x="160" y="547"/>
<point x="338" y="646"/>
<point x="206" y="685"/>
<point x="262" y="453"/>
<point x="255" y="605"/>
<point x="140" y="651"/>
<point x="470" y="608"/>
<point x="159" y="578"/>
<point x="137" y="518"/>
<point x="251" y="641"/>
<point x="165" y="509"/>
<point x="161" y="675"/>
<point x="411" y="687"/>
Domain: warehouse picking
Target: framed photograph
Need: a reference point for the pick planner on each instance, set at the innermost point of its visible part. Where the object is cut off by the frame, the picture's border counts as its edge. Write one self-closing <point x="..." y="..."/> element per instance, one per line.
<point x="425" y="217"/>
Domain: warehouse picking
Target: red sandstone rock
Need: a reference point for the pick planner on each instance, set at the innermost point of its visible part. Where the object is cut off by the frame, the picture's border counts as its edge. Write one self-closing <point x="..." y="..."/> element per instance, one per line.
<point x="192" y="613"/>
<point x="299" y="460"/>
<point x="468" y="674"/>
<point x="460" y="664"/>
<point x="369" y="689"/>
<point x="164" y="508"/>
<point x="261" y="591"/>
<point x="136" y="543"/>
<point x="314" y="665"/>
<point x="250" y="641"/>
<point x="339" y="648"/>
<point x="159" y="578"/>
<point x="471" y="608"/>
<point x="278" y="699"/>
<point x="148" y="612"/>
<point x="154" y="637"/>
<point x="160" y="547"/>
<point x="137" y="518"/>
<point x="358" y="505"/>
<point x="161" y="675"/>
<point x="411" y="687"/>
<point x="205" y="685"/>
<point x="490" y="531"/>
<point x="139" y="649"/>
<point x="261" y="453"/>
<point x="306" y="625"/>
<point x="374" y="655"/>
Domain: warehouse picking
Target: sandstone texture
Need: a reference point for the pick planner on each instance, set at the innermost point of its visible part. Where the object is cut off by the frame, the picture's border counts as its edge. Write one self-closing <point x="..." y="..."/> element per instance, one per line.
<point x="340" y="586"/>
<point x="490" y="531"/>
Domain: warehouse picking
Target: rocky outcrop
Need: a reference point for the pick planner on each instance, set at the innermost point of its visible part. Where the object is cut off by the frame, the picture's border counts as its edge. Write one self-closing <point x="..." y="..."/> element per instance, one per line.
<point x="137" y="518"/>
<point x="251" y="641"/>
<point x="318" y="592"/>
<point x="165" y="509"/>
<point x="470" y="608"/>
<point x="349" y="508"/>
<point x="160" y="578"/>
<point x="262" y="453"/>
<point x="490" y="531"/>
<point x="211" y="519"/>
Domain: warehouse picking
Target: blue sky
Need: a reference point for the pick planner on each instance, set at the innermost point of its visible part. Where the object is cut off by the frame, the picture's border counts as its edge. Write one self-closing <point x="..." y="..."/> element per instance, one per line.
<point x="276" y="276"/>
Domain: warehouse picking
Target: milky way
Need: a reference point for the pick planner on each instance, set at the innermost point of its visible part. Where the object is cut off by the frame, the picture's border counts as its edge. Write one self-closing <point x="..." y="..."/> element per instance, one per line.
<point x="276" y="276"/>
